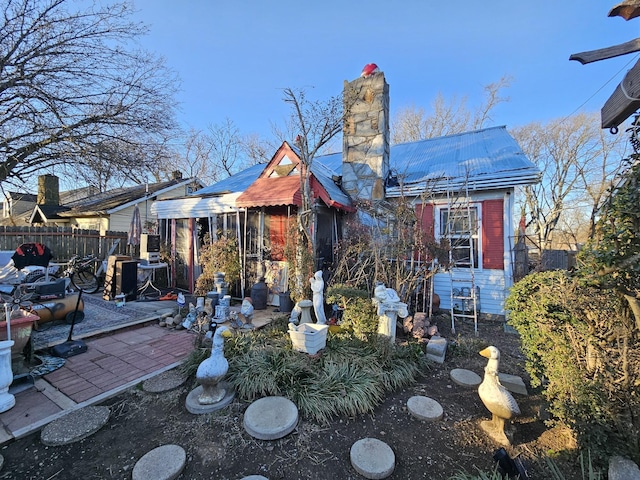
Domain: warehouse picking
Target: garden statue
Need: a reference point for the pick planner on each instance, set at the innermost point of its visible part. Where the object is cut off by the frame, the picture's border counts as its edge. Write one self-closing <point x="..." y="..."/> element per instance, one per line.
<point x="243" y="318"/>
<point x="296" y="311"/>
<point x="389" y="309"/>
<point x="317" y="287"/>
<point x="213" y="369"/>
<point x="496" y="398"/>
<point x="191" y="317"/>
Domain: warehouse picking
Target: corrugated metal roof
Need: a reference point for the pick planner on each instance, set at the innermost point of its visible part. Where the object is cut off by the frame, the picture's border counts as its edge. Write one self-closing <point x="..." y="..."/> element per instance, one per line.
<point x="235" y="183"/>
<point x="483" y="159"/>
<point x="269" y="192"/>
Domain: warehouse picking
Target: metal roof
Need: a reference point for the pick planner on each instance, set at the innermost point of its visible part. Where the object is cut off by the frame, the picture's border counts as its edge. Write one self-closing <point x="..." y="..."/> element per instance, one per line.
<point x="482" y="159"/>
<point x="238" y="182"/>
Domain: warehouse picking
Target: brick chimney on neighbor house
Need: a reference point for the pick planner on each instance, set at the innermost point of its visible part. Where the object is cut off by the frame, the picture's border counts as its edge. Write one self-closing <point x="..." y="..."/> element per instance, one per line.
<point x="48" y="190"/>
<point x="365" y="152"/>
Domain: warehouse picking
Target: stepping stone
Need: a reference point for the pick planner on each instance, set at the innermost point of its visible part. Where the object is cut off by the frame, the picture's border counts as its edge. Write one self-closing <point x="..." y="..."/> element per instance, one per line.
<point x="513" y="383"/>
<point x="465" y="378"/>
<point x="437" y="349"/>
<point x="162" y="463"/>
<point x="424" y="408"/>
<point x="270" y="418"/>
<point x="165" y="381"/>
<point x="621" y="468"/>
<point x="372" y="458"/>
<point x="254" y="477"/>
<point x="75" y="426"/>
<point x="195" y="407"/>
<point x="1" y="457"/>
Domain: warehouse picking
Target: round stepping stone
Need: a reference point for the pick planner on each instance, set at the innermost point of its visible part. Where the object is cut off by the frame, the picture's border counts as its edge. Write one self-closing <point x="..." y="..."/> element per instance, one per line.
<point x="372" y="458"/>
<point x="424" y="408"/>
<point x="195" y="407"/>
<point x="254" y="477"/>
<point x="164" y="382"/>
<point x="465" y="378"/>
<point x="271" y="418"/>
<point x="75" y="426"/>
<point x="162" y="463"/>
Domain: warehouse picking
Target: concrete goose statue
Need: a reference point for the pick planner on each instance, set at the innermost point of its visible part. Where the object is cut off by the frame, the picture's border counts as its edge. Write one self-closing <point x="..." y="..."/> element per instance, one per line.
<point x="496" y="398"/>
<point x="213" y="369"/>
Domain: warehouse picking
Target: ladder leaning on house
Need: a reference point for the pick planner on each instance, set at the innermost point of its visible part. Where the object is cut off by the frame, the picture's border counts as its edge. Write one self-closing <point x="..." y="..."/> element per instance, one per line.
<point x="460" y="228"/>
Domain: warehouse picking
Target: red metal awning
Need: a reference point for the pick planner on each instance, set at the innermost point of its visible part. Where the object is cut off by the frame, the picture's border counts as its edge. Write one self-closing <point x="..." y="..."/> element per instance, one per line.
<point x="268" y="192"/>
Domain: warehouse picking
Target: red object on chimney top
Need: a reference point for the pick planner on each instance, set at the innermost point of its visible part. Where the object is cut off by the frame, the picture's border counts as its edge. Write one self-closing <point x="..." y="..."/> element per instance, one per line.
<point x="369" y="69"/>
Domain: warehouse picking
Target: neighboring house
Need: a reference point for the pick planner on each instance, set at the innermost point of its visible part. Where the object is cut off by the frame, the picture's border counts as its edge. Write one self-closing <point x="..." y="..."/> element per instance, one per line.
<point x="17" y="208"/>
<point x="483" y="166"/>
<point x="106" y="211"/>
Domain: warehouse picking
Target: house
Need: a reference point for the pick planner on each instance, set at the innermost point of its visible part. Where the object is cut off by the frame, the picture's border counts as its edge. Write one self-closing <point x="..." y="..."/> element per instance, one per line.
<point x="104" y="211"/>
<point x="482" y="167"/>
<point x="17" y="208"/>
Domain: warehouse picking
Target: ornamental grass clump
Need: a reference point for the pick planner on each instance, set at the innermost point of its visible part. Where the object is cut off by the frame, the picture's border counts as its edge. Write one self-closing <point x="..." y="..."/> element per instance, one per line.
<point x="351" y="377"/>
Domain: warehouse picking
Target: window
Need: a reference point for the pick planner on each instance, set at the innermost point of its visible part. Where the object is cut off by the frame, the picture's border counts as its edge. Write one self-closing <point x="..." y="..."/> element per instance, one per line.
<point x="460" y="225"/>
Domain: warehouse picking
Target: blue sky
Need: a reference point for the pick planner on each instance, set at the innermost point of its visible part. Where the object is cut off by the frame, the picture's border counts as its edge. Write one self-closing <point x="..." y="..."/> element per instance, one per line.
<point x="234" y="57"/>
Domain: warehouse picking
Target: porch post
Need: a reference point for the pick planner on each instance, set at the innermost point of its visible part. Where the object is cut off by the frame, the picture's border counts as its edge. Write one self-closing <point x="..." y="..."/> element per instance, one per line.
<point x="190" y="270"/>
<point x="174" y="276"/>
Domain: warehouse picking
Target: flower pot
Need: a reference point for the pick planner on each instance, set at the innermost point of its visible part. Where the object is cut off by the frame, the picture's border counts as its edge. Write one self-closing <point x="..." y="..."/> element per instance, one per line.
<point x="7" y="400"/>
<point x="21" y="326"/>
<point x="308" y="337"/>
<point x="285" y="303"/>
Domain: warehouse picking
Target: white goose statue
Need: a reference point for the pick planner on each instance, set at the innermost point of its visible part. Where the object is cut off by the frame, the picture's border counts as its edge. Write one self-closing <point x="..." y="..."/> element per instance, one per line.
<point x="496" y="398"/>
<point x="213" y="369"/>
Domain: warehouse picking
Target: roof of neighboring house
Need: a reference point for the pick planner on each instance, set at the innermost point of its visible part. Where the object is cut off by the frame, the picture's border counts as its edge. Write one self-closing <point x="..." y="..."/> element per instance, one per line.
<point x="21" y="207"/>
<point x="48" y="213"/>
<point x="120" y="198"/>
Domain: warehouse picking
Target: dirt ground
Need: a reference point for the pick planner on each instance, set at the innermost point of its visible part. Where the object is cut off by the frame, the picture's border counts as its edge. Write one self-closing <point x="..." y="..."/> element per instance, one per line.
<point x="218" y="447"/>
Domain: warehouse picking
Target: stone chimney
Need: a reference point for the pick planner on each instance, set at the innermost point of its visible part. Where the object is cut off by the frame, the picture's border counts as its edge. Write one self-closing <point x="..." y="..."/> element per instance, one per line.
<point x="365" y="152"/>
<point x="48" y="190"/>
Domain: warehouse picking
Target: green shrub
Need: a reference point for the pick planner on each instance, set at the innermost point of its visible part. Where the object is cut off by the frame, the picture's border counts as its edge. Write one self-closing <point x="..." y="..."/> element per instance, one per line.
<point x="218" y="256"/>
<point x="359" y="313"/>
<point x="584" y="353"/>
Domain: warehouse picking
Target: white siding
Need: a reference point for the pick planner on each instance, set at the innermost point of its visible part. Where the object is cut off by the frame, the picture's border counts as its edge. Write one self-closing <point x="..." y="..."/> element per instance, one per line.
<point x="492" y="290"/>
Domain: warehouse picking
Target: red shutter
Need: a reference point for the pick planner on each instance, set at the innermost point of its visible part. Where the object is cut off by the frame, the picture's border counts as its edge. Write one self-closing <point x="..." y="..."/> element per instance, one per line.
<point x="493" y="234"/>
<point x="424" y="213"/>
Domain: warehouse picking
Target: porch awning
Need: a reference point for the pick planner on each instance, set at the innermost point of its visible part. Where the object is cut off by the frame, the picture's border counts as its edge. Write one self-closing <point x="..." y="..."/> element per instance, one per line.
<point x="269" y="192"/>
<point x="194" y="206"/>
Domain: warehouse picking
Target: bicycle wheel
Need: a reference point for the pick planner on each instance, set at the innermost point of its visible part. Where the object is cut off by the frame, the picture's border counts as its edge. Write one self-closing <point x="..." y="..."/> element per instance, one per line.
<point x="41" y="278"/>
<point x="85" y="280"/>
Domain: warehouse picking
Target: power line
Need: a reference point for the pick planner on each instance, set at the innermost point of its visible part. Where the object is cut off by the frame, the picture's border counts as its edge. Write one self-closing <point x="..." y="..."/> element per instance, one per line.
<point x="600" y="89"/>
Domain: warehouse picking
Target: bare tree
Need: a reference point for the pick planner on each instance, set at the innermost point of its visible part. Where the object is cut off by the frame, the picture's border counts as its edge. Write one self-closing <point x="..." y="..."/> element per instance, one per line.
<point x="73" y="87"/>
<point x="226" y="147"/>
<point x="256" y="149"/>
<point x="577" y="162"/>
<point x="318" y="122"/>
<point x="413" y="123"/>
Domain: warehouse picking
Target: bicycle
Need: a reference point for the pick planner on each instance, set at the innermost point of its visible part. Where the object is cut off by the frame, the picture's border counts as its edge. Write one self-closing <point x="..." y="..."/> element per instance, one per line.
<point x="78" y="269"/>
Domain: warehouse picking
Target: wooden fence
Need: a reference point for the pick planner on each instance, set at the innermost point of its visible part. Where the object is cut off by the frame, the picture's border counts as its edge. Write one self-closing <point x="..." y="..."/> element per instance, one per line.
<point x="64" y="242"/>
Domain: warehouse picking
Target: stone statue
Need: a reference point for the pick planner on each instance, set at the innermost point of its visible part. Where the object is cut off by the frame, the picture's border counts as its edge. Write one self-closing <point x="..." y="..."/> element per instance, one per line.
<point x="246" y="313"/>
<point x="389" y="309"/>
<point x="317" y="287"/>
